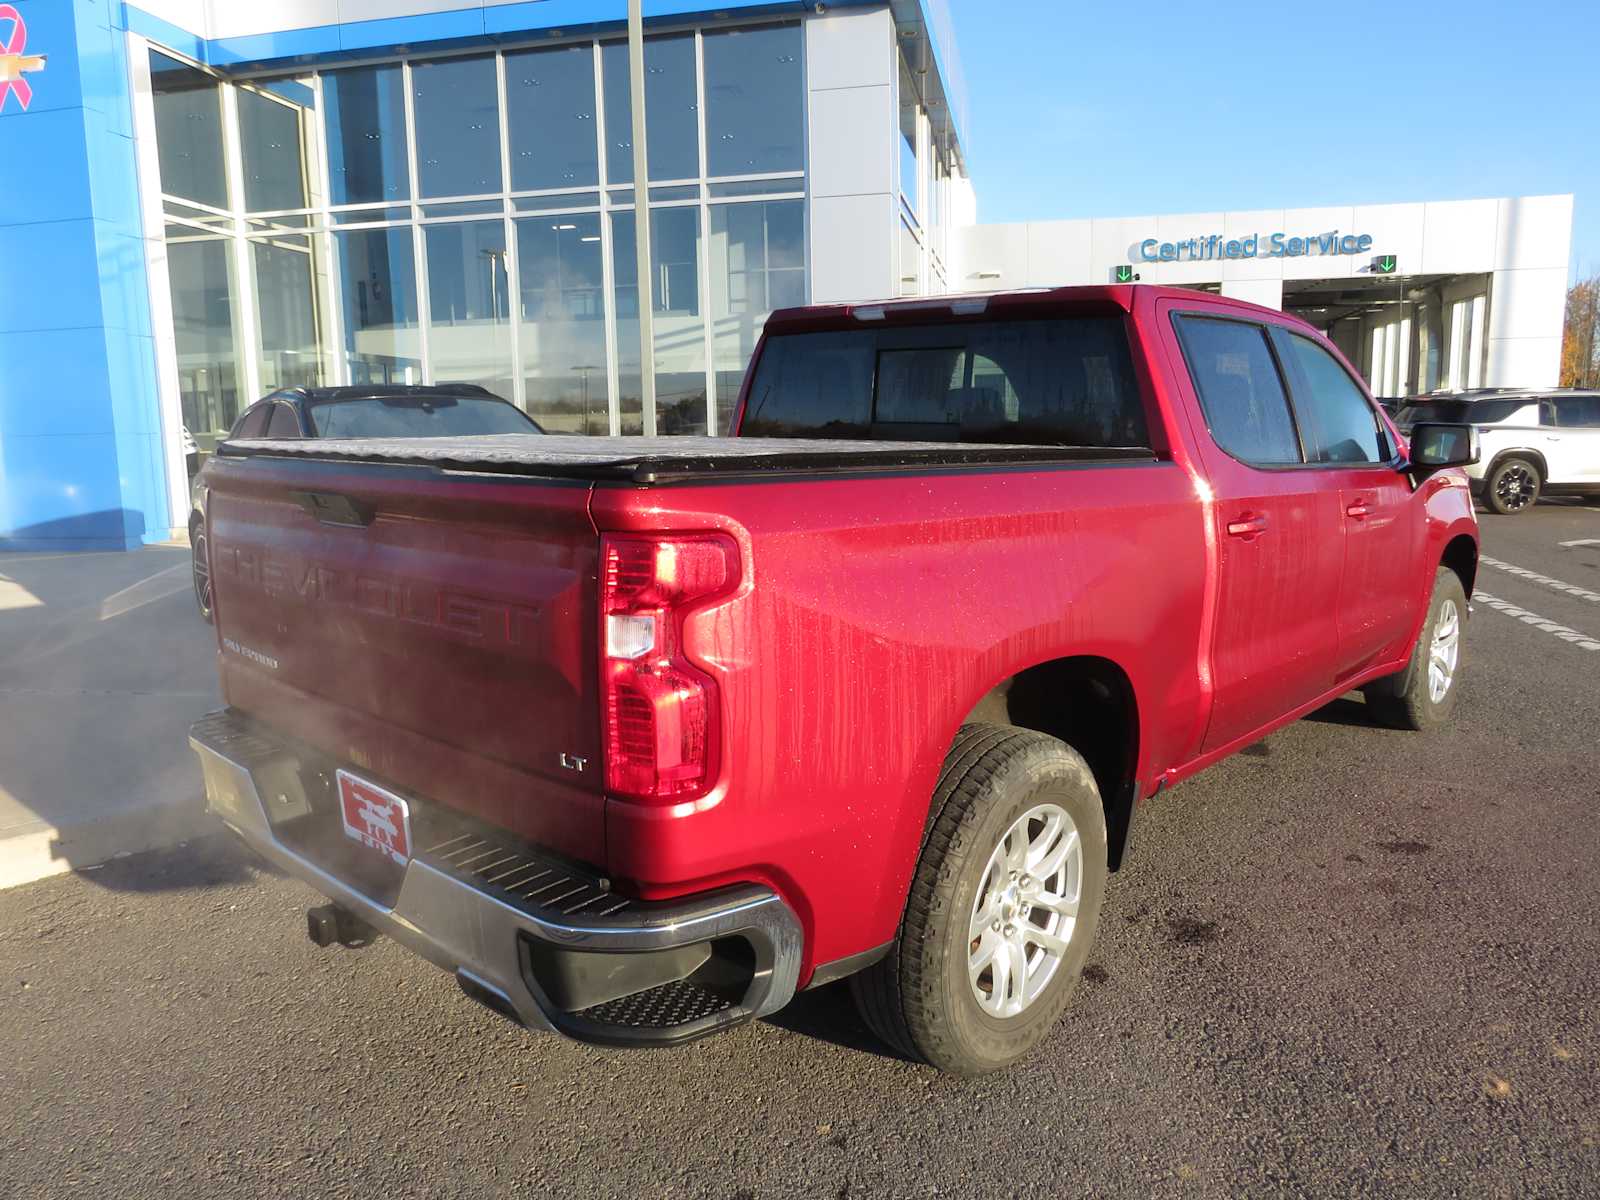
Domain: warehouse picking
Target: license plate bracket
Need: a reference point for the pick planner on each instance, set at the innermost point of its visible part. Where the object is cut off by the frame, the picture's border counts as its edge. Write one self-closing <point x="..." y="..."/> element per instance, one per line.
<point x="375" y="817"/>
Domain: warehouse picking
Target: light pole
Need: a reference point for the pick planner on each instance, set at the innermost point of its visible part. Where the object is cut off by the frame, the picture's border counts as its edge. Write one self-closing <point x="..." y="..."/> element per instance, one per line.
<point x="641" y="219"/>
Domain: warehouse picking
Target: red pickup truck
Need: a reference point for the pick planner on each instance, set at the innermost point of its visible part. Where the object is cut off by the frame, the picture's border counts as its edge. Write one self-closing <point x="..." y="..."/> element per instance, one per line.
<point x="638" y="736"/>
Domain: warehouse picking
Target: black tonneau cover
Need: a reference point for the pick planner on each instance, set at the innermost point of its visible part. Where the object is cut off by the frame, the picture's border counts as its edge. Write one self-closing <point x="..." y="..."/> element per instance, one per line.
<point x="665" y="459"/>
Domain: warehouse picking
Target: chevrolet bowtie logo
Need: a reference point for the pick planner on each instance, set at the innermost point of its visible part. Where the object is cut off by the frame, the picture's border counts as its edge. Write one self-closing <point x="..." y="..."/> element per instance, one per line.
<point x="14" y="63"/>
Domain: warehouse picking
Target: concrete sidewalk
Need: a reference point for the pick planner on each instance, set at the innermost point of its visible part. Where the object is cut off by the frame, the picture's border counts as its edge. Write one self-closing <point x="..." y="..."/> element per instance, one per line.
<point x="104" y="662"/>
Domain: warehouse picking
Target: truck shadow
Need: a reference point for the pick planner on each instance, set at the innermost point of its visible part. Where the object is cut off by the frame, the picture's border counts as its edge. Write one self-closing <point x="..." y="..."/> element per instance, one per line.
<point x="828" y="1014"/>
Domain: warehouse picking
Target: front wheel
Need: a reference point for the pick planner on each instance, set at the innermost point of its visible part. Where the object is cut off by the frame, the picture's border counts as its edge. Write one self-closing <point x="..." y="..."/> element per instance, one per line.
<point x="1424" y="694"/>
<point x="1513" y="487"/>
<point x="1003" y="908"/>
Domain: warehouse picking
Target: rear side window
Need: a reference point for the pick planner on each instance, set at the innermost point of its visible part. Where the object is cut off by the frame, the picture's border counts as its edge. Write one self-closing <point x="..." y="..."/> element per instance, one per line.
<point x="1240" y="390"/>
<point x="1066" y="382"/>
<point x="1578" y="411"/>
<point x="1336" y="421"/>
<point x="254" y="423"/>
<point x="284" y="424"/>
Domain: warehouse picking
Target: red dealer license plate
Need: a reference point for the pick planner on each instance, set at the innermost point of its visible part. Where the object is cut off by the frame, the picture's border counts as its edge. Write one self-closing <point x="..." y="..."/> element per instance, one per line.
<point x="375" y="817"/>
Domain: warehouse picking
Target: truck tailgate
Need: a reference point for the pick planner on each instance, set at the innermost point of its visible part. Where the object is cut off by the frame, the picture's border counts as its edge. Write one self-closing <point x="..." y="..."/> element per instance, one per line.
<point x="436" y="632"/>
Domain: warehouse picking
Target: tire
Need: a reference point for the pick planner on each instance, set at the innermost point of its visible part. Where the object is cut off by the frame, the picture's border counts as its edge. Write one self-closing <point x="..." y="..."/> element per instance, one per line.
<point x="1513" y="486"/>
<point x="200" y="568"/>
<point x="922" y="998"/>
<point x="1412" y="699"/>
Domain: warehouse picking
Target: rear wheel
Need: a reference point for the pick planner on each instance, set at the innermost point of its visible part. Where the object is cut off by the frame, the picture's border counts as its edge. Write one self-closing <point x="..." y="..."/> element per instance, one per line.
<point x="1003" y="906"/>
<point x="1513" y="486"/>
<point x="200" y="567"/>
<point x="1424" y="694"/>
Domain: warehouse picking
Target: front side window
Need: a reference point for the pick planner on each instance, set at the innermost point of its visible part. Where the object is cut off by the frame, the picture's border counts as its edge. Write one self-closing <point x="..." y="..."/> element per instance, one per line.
<point x="1240" y="390"/>
<point x="1043" y="382"/>
<point x="1336" y="421"/>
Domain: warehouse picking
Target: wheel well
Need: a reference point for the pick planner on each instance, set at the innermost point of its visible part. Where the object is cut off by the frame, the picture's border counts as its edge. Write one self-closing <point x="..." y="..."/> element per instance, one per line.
<point x="1533" y="456"/>
<point x="1088" y="703"/>
<point x="1461" y="556"/>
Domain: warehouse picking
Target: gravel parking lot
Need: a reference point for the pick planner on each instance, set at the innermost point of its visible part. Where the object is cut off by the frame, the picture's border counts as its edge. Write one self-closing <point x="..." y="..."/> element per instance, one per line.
<point x="1347" y="961"/>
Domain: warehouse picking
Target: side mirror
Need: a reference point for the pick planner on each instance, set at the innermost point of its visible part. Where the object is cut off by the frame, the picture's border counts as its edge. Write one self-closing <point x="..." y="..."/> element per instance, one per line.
<point x="1435" y="445"/>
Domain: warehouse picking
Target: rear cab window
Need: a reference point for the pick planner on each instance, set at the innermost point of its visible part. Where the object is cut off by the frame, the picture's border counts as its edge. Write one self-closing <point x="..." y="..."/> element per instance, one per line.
<point x="1066" y="381"/>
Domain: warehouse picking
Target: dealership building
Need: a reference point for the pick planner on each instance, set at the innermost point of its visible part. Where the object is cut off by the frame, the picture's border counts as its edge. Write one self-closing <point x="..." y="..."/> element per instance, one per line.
<point x="208" y="200"/>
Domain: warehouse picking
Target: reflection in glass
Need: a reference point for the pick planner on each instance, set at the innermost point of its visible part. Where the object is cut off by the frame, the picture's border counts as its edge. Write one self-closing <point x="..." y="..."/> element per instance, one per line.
<point x="287" y="279"/>
<point x="671" y="108"/>
<point x="200" y="271"/>
<point x="188" y="107"/>
<point x="469" y="305"/>
<point x="551" y="112"/>
<point x="457" y="112"/>
<point x="378" y="296"/>
<point x="366" y="109"/>
<point x="680" y="351"/>
<point x="757" y="254"/>
<point x="754" y="97"/>
<point x="563" y="340"/>
<point x="274" y="124"/>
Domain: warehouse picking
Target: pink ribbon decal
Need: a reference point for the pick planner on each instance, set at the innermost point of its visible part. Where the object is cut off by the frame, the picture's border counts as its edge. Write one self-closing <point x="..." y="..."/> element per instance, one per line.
<point x="12" y="48"/>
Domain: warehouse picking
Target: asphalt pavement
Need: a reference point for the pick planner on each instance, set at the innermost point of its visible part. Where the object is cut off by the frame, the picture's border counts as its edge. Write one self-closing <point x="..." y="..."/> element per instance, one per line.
<point x="1349" y="961"/>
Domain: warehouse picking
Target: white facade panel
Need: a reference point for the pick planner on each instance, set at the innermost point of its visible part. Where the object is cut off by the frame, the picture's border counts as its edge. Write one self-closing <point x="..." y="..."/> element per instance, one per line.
<point x="1395" y="229"/>
<point x="1528" y="303"/>
<point x="850" y="49"/>
<point x="376" y="10"/>
<point x="994" y="258"/>
<point x="854" y="258"/>
<point x="1534" y="231"/>
<point x="1524" y="362"/>
<point x="1267" y="292"/>
<point x="852" y="132"/>
<point x="232" y="18"/>
<point x="1057" y="252"/>
<point x="1458" y="236"/>
<point x="191" y="15"/>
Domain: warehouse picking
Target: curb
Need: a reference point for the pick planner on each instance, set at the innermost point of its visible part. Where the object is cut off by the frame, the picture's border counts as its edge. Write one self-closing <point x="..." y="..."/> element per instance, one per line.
<point x="39" y="850"/>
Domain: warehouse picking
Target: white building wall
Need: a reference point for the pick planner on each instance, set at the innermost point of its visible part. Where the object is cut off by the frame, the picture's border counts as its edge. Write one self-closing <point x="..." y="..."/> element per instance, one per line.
<point x="1517" y="249"/>
<point x="851" y="132"/>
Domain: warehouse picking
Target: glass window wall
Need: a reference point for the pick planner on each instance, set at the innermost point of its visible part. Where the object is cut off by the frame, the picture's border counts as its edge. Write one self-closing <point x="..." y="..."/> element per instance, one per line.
<point x="382" y="232"/>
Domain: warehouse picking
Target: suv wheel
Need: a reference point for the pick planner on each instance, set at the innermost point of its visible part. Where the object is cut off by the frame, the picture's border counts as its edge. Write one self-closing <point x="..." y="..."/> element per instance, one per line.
<point x="1423" y="695"/>
<point x="1513" y="486"/>
<point x="1003" y="908"/>
<point x="200" y="567"/>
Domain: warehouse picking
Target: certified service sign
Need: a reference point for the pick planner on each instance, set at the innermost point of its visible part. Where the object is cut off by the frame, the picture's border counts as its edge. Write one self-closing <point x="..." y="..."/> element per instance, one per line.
<point x="15" y="61"/>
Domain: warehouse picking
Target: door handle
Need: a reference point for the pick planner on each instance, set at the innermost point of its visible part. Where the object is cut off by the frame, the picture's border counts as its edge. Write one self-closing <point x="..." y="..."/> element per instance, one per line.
<point x="1247" y="526"/>
<point x="1358" y="510"/>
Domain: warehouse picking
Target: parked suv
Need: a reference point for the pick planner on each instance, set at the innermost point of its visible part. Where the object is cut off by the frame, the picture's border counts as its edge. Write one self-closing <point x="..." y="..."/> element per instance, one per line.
<point x="1532" y="443"/>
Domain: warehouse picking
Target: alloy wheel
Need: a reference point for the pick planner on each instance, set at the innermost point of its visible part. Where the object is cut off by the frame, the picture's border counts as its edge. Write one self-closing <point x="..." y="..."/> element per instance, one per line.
<point x="1025" y="910"/>
<point x="1444" y="652"/>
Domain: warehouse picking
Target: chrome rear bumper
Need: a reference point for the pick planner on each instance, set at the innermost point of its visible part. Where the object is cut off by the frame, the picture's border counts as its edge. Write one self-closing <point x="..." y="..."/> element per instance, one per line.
<point x="452" y="912"/>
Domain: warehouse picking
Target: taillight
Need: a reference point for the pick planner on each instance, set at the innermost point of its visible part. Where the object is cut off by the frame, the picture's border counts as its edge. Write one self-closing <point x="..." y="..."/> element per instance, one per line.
<point x="661" y="711"/>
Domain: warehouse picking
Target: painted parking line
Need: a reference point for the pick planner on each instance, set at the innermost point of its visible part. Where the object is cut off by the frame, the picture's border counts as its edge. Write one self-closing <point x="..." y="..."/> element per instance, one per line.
<point x="1583" y="542"/>
<point x="1581" y="640"/>
<point x="1570" y="589"/>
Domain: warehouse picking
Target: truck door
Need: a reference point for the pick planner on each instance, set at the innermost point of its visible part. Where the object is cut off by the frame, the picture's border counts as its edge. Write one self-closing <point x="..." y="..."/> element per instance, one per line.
<point x="1350" y="448"/>
<point x="1277" y="530"/>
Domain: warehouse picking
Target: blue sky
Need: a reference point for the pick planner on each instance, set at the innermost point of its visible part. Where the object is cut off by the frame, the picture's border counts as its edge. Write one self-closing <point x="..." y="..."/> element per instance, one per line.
<point x="1083" y="108"/>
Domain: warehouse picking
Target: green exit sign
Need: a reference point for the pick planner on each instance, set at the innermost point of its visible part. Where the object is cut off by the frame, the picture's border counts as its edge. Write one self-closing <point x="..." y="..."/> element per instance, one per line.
<point x="1125" y="274"/>
<point x="1384" y="264"/>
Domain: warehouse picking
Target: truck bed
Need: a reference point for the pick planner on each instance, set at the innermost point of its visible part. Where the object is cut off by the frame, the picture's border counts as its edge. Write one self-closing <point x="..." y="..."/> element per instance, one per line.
<point x="647" y="460"/>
